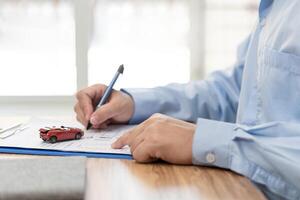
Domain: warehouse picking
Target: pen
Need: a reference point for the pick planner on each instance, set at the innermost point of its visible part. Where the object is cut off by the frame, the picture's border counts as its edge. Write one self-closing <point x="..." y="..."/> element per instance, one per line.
<point x="108" y="91"/>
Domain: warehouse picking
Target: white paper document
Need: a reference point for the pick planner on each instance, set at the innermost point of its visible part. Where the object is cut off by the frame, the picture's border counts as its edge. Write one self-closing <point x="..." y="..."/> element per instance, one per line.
<point x="93" y="141"/>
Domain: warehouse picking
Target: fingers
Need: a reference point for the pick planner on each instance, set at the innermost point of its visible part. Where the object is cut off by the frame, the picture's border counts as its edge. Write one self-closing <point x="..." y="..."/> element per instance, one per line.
<point x="136" y="142"/>
<point x="140" y="150"/>
<point x="121" y="142"/>
<point x="80" y="116"/>
<point x="129" y="137"/>
<point x="143" y="140"/>
<point x="160" y="137"/>
<point x="102" y="114"/>
<point x="104" y="125"/>
<point x="144" y="153"/>
<point x="88" y="98"/>
<point x="85" y="104"/>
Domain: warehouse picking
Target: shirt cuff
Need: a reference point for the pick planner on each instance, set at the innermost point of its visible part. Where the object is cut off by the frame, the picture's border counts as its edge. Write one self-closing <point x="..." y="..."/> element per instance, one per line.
<point x="145" y="104"/>
<point x="212" y="143"/>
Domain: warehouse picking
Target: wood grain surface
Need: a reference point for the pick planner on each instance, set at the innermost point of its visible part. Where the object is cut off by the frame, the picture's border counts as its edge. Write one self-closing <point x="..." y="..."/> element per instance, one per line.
<point x="124" y="179"/>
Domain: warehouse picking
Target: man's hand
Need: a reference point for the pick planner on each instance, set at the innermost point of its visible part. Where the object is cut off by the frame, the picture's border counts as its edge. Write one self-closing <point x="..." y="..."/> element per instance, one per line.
<point x="160" y="137"/>
<point x="119" y="108"/>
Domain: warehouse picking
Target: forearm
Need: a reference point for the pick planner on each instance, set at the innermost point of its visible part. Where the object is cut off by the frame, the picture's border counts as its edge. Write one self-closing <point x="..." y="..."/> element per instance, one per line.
<point x="181" y="101"/>
<point x="215" y="98"/>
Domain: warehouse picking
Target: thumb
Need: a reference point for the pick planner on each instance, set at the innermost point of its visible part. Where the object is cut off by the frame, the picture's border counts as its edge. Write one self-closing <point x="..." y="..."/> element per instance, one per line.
<point x="103" y="114"/>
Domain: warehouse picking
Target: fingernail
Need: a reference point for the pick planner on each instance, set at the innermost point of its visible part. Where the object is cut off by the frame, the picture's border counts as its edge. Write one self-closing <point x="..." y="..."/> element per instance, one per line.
<point x="94" y="120"/>
<point x="113" y="145"/>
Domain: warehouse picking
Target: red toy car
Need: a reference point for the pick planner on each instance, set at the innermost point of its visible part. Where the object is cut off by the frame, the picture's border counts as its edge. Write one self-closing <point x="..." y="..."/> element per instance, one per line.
<point x="62" y="133"/>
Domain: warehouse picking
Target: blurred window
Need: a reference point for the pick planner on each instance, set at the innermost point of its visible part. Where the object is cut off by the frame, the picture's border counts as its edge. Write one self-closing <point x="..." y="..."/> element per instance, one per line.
<point x="37" y="48"/>
<point x="152" y="38"/>
<point x="149" y="37"/>
<point x="228" y="23"/>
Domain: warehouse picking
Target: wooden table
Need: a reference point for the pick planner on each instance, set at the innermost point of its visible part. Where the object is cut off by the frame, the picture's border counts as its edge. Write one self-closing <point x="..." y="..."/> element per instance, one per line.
<point x="125" y="179"/>
<point x="111" y="179"/>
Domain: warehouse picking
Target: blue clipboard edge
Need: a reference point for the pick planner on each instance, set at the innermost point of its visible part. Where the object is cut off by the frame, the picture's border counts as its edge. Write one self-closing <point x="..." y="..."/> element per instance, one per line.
<point x="27" y="151"/>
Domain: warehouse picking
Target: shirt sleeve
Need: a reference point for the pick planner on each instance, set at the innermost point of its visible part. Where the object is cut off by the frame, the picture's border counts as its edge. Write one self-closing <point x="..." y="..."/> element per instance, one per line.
<point x="262" y="153"/>
<point x="214" y="98"/>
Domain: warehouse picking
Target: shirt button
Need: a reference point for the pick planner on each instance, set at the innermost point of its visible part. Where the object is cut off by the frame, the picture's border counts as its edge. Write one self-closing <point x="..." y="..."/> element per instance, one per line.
<point x="210" y="158"/>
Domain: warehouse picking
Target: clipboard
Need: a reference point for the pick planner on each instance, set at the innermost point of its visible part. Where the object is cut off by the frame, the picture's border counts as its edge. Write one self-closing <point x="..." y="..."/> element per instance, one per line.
<point x="43" y="152"/>
<point x="95" y="143"/>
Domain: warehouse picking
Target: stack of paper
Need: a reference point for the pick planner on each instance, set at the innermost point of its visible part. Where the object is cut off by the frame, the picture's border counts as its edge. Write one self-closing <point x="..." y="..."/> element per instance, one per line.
<point x="94" y="143"/>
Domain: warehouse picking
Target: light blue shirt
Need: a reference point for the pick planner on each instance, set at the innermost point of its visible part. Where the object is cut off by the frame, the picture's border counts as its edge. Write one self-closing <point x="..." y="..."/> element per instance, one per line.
<point x="248" y="117"/>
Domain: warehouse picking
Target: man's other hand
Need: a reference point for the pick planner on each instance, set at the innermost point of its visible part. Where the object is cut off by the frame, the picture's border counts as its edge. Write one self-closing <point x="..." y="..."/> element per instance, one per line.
<point x="160" y="137"/>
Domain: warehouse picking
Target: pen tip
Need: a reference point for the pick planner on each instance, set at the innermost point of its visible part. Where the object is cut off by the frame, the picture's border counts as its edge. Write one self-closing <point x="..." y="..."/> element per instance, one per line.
<point x="89" y="126"/>
<point x="121" y="69"/>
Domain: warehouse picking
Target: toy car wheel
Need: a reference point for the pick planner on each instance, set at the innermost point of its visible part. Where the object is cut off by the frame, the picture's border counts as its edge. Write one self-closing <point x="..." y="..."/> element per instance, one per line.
<point x="53" y="139"/>
<point x="44" y="139"/>
<point x="77" y="136"/>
